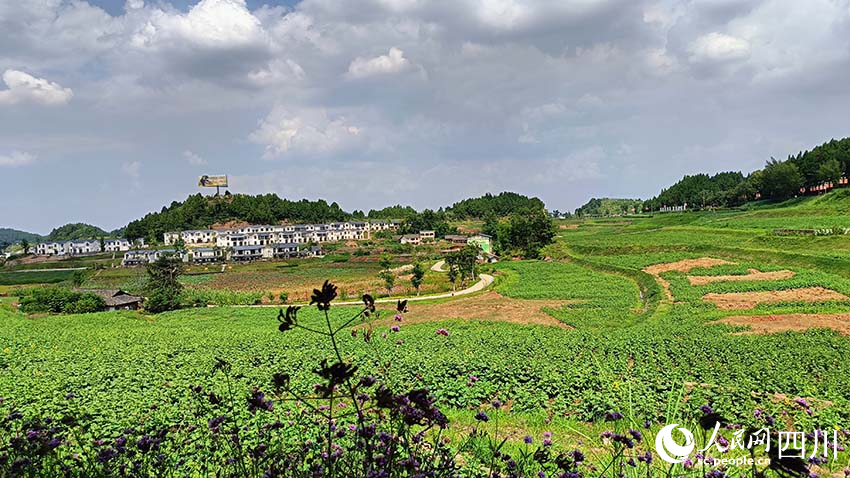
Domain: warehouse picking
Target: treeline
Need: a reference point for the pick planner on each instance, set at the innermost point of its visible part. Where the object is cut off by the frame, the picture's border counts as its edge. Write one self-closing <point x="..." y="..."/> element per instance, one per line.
<point x="778" y="180"/>
<point x="199" y="212"/>
<point x="702" y="190"/>
<point x="610" y="207"/>
<point x="500" y="205"/>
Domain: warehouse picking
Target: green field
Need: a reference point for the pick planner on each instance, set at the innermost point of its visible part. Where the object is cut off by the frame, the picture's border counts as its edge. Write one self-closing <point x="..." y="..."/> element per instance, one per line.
<point x="625" y="347"/>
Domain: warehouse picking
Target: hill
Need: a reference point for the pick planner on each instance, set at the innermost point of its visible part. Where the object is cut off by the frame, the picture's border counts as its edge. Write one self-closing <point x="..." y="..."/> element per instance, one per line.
<point x="501" y="205"/>
<point x="199" y="212"/>
<point x="610" y="207"/>
<point x="11" y="236"/>
<point x="74" y="231"/>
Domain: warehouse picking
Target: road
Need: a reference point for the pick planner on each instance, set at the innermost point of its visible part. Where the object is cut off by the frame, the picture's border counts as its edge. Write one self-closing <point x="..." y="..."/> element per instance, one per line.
<point x="438" y="267"/>
<point x="48" y="270"/>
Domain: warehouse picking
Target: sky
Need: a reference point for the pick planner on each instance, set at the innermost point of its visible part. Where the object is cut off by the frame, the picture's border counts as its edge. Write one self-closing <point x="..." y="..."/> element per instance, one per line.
<point x="112" y="109"/>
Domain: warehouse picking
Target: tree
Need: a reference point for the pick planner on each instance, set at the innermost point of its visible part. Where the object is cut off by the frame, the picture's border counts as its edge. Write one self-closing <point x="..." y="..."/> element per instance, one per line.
<point x="102" y="244"/>
<point x="418" y="276"/>
<point x="526" y="233"/>
<point x="25" y="245"/>
<point x="77" y="278"/>
<point x="386" y="273"/>
<point x="180" y="245"/>
<point x="163" y="286"/>
<point x="452" y="273"/>
<point x="462" y="264"/>
<point x="830" y="171"/>
<point x="780" y="180"/>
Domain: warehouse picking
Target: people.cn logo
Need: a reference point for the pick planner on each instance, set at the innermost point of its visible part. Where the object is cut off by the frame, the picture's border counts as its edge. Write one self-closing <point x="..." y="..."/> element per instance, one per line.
<point x="668" y="449"/>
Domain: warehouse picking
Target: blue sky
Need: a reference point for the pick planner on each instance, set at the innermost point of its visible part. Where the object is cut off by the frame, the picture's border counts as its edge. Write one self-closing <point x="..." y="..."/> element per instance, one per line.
<point x="111" y="109"/>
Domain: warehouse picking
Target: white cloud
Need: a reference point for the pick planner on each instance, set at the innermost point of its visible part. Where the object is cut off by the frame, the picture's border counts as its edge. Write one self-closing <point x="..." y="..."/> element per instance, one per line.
<point x="719" y="47"/>
<point x="310" y="131"/>
<point x="391" y="63"/>
<point x="25" y="88"/>
<point x="132" y="169"/>
<point x="216" y="24"/>
<point x="193" y="158"/>
<point x="16" y="158"/>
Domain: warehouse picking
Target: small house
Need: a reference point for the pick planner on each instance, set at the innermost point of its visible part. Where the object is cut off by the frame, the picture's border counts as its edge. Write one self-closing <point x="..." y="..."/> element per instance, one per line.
<point x="116" y="299"/>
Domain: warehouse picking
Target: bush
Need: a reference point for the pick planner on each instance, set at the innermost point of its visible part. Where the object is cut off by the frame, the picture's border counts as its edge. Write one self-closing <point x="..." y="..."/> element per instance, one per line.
<point x="162" y="300"/>
<point x="58" y="300"/>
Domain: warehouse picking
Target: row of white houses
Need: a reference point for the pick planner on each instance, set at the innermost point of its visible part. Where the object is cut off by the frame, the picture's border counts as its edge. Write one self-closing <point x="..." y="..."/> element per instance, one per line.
<point x="264" y="235"/>
<point x="215" y="254"/>
<point x="82" y="247"/>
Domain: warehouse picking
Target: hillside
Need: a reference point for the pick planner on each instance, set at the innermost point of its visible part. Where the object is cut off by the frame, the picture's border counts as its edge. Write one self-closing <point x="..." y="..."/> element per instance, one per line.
<point x="777" y="181"/>
<point x="11" y="236"/>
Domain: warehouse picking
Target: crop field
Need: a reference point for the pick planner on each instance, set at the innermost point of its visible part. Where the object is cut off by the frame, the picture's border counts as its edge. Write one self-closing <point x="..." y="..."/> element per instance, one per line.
<point x="245" y="284"/>
<point x="587" y="332"/>
<point x="35" y="277"/>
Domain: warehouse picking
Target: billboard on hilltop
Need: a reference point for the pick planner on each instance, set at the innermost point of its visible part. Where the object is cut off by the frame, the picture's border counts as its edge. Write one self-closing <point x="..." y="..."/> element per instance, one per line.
<point x="212" y="181"/>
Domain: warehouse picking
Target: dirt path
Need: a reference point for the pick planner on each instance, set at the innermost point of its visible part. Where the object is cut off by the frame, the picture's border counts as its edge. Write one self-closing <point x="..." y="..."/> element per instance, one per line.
<point x="438" y="266"/>
<point x="47" y="270"/>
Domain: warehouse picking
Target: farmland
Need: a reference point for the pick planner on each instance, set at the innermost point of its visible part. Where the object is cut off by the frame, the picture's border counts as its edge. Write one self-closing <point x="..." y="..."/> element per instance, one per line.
<point x="616" y="342"/>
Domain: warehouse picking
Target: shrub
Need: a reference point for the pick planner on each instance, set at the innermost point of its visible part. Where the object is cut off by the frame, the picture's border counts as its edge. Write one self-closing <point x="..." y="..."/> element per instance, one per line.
<point x="59" y="300"/>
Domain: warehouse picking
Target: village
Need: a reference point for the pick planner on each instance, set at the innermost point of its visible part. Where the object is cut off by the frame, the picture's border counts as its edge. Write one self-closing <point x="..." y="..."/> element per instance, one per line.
<point x="251" y="242"/>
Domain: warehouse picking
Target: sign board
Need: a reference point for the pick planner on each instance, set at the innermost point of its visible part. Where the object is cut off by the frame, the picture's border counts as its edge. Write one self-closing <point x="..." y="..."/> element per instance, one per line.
<point x="212" y="181"/>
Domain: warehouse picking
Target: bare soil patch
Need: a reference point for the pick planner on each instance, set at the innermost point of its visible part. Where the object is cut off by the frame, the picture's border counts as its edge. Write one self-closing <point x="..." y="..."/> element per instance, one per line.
<point x="769" y="324"/>
<point x="680" y="266"/>
<point x="487" y="306"/>
<point x="568" y="226"/>
<point x="754" y="275"/>
<point x="748" y="300"/>
<point x="685" y="265"/>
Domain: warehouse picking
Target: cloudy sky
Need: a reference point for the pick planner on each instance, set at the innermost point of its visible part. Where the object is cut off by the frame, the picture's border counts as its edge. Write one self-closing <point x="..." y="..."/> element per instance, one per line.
<point x="110" y="109"/>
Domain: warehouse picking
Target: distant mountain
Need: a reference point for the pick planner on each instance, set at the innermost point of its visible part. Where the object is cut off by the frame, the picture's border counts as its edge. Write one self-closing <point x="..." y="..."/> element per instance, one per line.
<point x="74" y="231"/>
<point x="610" y="207"/>
<point x="12" y="236"/>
